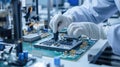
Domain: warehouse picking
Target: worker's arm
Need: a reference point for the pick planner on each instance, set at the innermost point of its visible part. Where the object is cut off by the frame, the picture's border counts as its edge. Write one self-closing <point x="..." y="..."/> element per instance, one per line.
<point x="92" y="11"/>
<point x="113" y="37"/>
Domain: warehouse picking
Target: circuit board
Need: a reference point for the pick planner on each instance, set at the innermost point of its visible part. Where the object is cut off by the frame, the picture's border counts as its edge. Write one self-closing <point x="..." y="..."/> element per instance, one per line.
<point x="65" y="44"/>
<point x="34" y="37"/>
<point x="67" y="48"/>
<point x="72" y="55"/>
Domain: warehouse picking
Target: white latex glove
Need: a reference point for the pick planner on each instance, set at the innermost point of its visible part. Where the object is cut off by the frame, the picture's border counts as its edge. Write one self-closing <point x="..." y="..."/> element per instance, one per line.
<point x="86" y="28"/>
<point x="59" y="22"/>
<point x="113" y="37"/>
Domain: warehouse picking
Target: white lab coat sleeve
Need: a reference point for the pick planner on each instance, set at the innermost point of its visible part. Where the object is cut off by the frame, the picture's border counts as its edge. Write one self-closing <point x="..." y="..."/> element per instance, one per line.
<point x="113" y="37"/>
<point x="92" y="11"/>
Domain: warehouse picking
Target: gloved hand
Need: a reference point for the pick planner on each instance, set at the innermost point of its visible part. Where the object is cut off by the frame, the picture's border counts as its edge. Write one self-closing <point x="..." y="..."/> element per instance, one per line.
<point x="59" y="22"/>
<point x="113" y="37"/>
<point x="86" y="28"/>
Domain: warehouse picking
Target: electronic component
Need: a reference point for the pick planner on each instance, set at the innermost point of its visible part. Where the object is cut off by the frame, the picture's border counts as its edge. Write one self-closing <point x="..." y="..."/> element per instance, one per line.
<point x="57" y="61"/>
<point x="65" y="47"/>
<point x="84" y="44"/>
<point x="72" y="52"/>
<point x="34" y="37"/>
<point x="43" y="35"/>
<point x="65" y="53"/>
<point x="66" y="44"/>
<point x="31" y="37"/>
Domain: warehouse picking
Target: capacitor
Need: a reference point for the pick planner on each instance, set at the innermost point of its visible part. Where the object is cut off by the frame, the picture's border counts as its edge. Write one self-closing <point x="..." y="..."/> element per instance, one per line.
<point x="25" y="55"/>
<point x="21" y="57"/>
<point x="66" y="52"/>
<point x="57" y="61"/>
<point x="84" y="44"/>
<point x="72" y="52"/>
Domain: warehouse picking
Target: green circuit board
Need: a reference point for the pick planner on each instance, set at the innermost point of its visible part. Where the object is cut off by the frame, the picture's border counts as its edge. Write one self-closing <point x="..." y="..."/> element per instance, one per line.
<point x="71" y="55"/>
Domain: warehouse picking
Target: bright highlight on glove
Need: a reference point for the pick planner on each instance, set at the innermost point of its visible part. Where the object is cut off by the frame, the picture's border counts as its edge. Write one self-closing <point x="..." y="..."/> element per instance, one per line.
<point x="59" y="22"/>
<point x="85" y="28"/>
